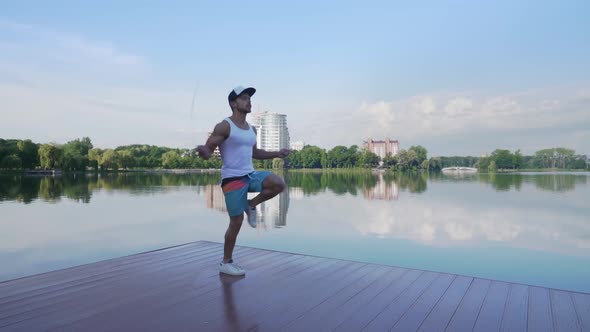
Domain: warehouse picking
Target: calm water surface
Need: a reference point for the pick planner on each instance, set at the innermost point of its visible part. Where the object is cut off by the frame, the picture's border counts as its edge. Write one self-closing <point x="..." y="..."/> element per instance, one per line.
<point x="525" y="228"/>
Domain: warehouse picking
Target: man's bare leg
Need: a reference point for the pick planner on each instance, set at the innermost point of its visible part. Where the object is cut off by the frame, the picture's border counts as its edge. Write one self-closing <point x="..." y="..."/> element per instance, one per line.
<point x="235" y="223"/>
<point x="271" y="186"/>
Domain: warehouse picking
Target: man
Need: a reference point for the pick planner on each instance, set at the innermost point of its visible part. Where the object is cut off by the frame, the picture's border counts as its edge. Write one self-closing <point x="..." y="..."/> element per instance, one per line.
<point x="237" y="143"/>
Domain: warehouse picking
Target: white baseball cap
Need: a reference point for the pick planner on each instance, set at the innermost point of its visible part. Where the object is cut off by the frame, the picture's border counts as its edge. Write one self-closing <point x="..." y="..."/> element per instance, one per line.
<point x="238" y="91"/>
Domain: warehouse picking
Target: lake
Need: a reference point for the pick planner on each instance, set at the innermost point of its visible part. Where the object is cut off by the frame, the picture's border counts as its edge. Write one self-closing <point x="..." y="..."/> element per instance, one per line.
<point x="531" y="228"/>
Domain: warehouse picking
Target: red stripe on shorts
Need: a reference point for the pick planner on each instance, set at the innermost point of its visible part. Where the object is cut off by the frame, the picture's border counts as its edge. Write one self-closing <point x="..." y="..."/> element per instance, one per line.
<point x="234" y="185"/>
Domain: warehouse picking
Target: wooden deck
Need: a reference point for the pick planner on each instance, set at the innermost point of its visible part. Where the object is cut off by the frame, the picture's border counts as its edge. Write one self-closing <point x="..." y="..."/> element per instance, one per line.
<point x="180" y="289"/>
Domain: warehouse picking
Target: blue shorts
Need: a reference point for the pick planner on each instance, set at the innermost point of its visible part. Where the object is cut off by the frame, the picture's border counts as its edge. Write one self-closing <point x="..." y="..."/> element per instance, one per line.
<point x="236" y="191"/>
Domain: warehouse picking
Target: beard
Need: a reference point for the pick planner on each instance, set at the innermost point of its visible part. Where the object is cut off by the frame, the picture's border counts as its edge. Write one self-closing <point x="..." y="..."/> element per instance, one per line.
<point x="244" y="110"/>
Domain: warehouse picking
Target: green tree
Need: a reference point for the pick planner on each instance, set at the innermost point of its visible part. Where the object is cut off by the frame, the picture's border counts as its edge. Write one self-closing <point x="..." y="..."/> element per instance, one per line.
<point x="72" y="160"/>
<point x="421" y="154"/>
<point x="517" y="159"/>
<point x="94" y="158"/>
<point x="28" y="153"/>
<point x="170" y="159"/>
<point x="109" y="160"/>
<point x="483" y="164"/>
<point x="435" y="164"/>
<point x="492" y="167"/>
<point x="503" y="159"/>
<point x="50" y="156"/>
<point x="389" y="160"/>
<point x="311" y="157"/>
<point x="11" y="162"/>
<point x="368" y="159"/>
<point x="278" y="163"/>
<point x="126" y="159"/>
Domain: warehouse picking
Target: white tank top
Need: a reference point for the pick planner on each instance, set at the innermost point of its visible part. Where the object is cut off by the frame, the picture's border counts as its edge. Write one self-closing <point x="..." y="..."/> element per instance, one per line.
<point x="236" y="151"/>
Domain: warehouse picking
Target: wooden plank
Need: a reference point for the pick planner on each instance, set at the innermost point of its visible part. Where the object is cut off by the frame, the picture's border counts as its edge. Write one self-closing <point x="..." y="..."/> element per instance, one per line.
<point x="182" y="290"/>
<point x="515" y="313"/>
<point x="126" y="316"/>
<point x="276" y="309"/>
<point x="385" y="320"/>
<point x="53" y="280"/>
<point x="442" y="312"/>
<point x="45" y="279"/>
<point x="358" y="320"/>
<point x="464" y="318"/>
<point x="413" y="318"/>
<point x="214" y="309"/>
<point x="313" y="318"/>
<point x="492" y="310"/>
<point x="539" y="314"/>
<point x="564" y="312"/>
<point x="42" y="295"/>
<point x="108" y="296"/>
<point x="61" y="297"/>
<point x="334" y="316"/>
<point x="582" y="305"/>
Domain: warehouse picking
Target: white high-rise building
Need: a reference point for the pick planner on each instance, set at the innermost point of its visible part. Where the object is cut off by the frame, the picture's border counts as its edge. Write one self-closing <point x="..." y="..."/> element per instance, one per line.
<point x="272" y="133"/>
<point x="297" y="146"/>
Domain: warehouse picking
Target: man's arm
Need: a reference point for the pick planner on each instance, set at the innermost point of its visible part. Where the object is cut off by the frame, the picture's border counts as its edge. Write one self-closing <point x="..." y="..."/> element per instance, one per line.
<point x="220" y="133"/>
<point x="263" y="154"/>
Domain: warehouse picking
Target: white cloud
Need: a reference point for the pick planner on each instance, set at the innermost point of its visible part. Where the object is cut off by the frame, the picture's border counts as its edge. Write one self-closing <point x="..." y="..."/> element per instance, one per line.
<point x="424" y="118"/>
<point x="48" y="45"/>
<point x="451" y="224"/>
<point x="68" y="86"/>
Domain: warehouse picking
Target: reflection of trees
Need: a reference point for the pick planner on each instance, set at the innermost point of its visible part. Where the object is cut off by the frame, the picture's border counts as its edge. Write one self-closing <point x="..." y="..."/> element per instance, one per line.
<point x="310" y="182"/>
<point x="79" y="187"/>
<point x="505" y="182"/>
<point x="414" y="182"/>
<point x="339" y="182"/>
<point x="558" y="182"/>
<point x="50" y="189"/>
<point x="19" y="188"/>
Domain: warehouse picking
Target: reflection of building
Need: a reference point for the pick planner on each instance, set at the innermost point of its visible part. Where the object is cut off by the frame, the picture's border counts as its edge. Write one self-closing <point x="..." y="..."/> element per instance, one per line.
<point x="274" y="211"/>
<point x="272" y="133"/>
<point x="215" y="198"/>
<point x="382" y="148"/>
<point x="296" y="193"/>
<point x="383" y="190"/>
<point x="297" y="146"/>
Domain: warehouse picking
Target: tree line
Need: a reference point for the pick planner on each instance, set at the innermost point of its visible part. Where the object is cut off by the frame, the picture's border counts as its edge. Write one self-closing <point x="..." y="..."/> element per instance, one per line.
<point x="80" y="155"/>
<point x="554" y="158"/>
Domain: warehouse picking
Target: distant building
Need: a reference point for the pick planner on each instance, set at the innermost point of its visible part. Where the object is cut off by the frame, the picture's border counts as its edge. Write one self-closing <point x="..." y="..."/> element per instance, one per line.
<point x="216" y="153"/>
<point x="297" y="146"/>
<point x="272" y="133"/>
<point x="382" y="148"/>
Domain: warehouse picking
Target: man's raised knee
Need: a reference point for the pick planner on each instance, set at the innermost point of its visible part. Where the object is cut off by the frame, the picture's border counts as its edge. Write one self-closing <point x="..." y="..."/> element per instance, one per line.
<point x="280" y="186"/>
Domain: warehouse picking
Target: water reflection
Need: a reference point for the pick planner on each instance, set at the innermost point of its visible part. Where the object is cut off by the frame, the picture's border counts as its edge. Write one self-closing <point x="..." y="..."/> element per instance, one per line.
<point x="230" y="310"/>
<point x="430" y="221"/>
<point x="383" y="190"/>
<point x="79" y="187"/>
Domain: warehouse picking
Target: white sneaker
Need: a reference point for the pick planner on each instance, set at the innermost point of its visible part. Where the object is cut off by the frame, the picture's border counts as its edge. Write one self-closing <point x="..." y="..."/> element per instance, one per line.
<point x="231" y="269"/>
<point x="251" y="214"/>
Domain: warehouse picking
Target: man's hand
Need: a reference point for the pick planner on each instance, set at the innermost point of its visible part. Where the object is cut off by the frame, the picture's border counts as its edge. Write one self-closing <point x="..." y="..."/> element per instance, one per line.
<point x="203" y="151"/>
<point x="284" y="152"/>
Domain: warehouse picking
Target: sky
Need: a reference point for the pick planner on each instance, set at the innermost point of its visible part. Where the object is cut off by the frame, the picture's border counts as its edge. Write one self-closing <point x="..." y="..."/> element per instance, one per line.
<point x="457" y="77"/>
